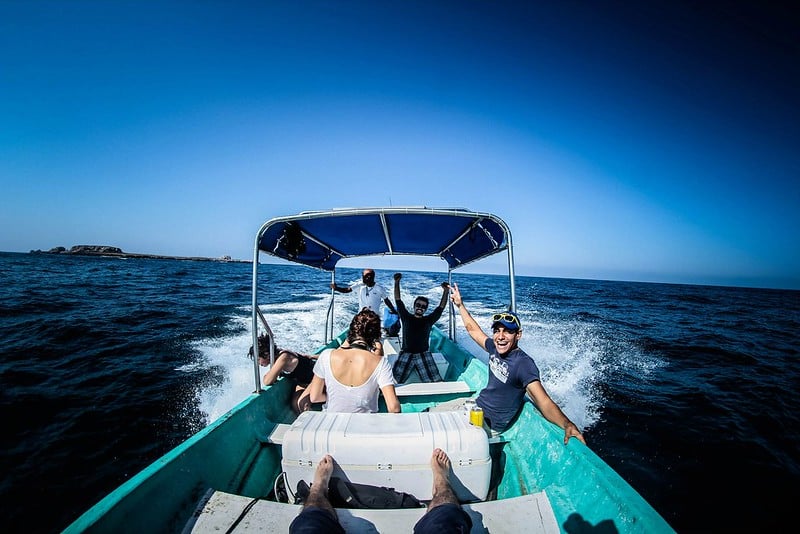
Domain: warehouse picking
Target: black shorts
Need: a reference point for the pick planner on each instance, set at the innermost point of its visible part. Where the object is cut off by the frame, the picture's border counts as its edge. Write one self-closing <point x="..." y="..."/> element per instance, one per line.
<point x="315" y="520"/>
<point x="448" y="518"/>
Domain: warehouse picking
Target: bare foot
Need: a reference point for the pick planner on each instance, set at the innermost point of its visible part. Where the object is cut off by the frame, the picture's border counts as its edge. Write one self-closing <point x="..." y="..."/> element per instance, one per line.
<point x="440" y="463"/>
<point x="442" y="492"/>
<point x="318" y="496"/>
<point x="323" y="473"/>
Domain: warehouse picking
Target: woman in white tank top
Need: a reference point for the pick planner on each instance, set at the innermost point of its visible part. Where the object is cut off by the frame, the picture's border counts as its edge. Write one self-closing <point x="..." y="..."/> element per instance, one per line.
<point x="347" y="379"/>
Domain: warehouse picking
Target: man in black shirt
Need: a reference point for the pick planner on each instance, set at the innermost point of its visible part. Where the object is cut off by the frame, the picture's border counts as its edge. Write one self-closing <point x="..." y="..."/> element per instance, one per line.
<point x="415" y="353"/>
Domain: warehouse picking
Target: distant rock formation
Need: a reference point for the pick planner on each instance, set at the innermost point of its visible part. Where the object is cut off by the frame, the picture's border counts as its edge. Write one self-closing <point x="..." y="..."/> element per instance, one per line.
<point x="116" y="252"/>
<point x="82" y="249"/>
<point x="95" y="249"/>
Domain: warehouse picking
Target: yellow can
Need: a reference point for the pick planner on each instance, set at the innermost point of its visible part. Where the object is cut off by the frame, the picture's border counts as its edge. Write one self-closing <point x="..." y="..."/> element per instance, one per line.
<point x="476" y="416"/>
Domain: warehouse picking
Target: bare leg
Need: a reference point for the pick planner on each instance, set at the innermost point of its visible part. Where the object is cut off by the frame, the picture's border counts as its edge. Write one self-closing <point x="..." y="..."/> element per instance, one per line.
<point x="442" y="491"/>
<point x="318" y="495"/>
<point x="301" y="399"/>
<point x="317" y="515"/>
<point x="444" y="515"/>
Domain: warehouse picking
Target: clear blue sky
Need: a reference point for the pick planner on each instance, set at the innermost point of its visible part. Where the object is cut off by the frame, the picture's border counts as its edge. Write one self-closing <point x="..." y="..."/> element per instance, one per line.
<point x="653" y="141"/>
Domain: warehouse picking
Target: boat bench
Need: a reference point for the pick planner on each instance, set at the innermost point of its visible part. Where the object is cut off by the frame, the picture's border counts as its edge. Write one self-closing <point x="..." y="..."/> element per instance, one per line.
<point x="276" y="436"/>
<point x="432" y="388"/>
<point x="391" y="349"/>
<point x="439" y="359"/>
<point x="219" y="511"/>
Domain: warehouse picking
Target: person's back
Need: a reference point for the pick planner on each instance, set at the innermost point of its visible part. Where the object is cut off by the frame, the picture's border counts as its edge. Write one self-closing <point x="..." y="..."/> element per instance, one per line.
<point x="353" y="365"/>
<point x="351" y="375"/>
<point x="354" y="380"/>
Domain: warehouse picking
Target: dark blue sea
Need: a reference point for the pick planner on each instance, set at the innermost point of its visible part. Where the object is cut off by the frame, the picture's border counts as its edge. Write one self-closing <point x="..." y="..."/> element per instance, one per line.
<point x="689" y="392"/>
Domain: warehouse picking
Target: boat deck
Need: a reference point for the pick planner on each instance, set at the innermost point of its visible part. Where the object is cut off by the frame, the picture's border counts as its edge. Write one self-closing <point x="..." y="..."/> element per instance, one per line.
<point x="224" y="512"/>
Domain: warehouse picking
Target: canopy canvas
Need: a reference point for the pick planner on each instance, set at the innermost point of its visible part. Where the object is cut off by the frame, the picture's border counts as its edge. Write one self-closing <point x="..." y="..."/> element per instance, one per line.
<point x="320" y="239"/>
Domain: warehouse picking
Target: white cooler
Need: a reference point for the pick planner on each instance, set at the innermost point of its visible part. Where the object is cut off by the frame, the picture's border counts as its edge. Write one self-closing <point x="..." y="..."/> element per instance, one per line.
<point x="390" y="450"/>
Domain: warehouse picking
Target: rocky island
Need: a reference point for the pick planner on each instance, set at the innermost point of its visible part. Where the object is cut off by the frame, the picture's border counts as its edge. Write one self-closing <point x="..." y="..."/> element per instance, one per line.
<point x="116" y="252"/>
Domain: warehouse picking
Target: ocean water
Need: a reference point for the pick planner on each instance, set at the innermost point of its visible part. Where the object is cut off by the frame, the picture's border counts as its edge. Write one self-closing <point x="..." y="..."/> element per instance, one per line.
<point x="689" y="392"/>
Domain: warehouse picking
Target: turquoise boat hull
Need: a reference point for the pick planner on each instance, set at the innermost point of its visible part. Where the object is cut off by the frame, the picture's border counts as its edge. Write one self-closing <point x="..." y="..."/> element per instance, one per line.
<point x="234" y="455"/>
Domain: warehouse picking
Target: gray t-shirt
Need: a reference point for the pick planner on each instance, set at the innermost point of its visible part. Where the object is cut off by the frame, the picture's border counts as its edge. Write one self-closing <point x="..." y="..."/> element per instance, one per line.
<point x="504" y="394"/>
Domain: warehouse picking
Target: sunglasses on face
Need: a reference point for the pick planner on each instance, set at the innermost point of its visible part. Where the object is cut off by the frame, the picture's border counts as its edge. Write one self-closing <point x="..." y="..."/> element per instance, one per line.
<point x="505" y="317"/>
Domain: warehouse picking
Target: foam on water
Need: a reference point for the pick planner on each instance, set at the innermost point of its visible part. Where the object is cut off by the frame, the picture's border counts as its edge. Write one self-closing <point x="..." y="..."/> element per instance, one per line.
<point x="298" y="327"/>
<point x="233" y="378"/>
<point x="680" y="385"/>
<point x="570" y="354"/>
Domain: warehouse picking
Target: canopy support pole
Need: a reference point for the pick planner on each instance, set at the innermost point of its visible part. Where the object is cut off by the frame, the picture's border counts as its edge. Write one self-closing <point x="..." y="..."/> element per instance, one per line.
<point x="256" y="313"/>
<point x="512" y="283"/>
<point x="329" y="317"/>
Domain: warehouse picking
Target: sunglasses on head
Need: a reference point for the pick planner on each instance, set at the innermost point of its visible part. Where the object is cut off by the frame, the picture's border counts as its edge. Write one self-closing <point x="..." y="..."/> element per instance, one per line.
<point x="505" y="317"/>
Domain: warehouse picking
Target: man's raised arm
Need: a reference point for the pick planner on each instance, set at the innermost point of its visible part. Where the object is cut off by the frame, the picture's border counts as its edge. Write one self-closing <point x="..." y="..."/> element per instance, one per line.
<point x="445" y="294"/>
<point x="470" y="324"/>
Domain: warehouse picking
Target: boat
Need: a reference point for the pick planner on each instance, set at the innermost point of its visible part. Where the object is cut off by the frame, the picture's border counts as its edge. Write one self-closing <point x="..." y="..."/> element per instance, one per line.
<point x="230" y="475"/>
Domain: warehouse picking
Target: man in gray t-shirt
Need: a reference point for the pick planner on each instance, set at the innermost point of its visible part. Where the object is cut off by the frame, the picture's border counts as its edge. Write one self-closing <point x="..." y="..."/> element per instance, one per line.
<point x="510" y="375"/>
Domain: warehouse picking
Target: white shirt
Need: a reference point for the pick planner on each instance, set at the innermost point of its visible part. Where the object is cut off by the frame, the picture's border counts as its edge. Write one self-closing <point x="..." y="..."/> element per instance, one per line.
<point x="352" y="399"/>
<point x="370" y="297"/>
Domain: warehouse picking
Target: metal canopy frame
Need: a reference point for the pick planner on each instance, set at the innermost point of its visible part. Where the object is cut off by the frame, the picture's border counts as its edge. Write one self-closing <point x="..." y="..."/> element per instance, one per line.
<point x="320" y="239"/>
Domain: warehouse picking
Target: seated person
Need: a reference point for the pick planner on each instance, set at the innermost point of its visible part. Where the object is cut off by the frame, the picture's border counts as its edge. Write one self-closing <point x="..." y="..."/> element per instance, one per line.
<point x="415" y="352"/>
<point x="443" y="516"/>
<point x="299" y="368"/>
<point x="348" y="378"/>
<point x="391" y="323"/>
<point x="512" y="374"/>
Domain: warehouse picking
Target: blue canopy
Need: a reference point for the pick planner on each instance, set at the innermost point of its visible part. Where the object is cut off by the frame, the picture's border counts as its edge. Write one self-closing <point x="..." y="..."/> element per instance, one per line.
<point x="322" y="238"/>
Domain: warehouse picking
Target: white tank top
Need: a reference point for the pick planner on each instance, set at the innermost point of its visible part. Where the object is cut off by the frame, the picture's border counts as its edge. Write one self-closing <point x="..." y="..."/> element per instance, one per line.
<point x="352" y="399"/>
